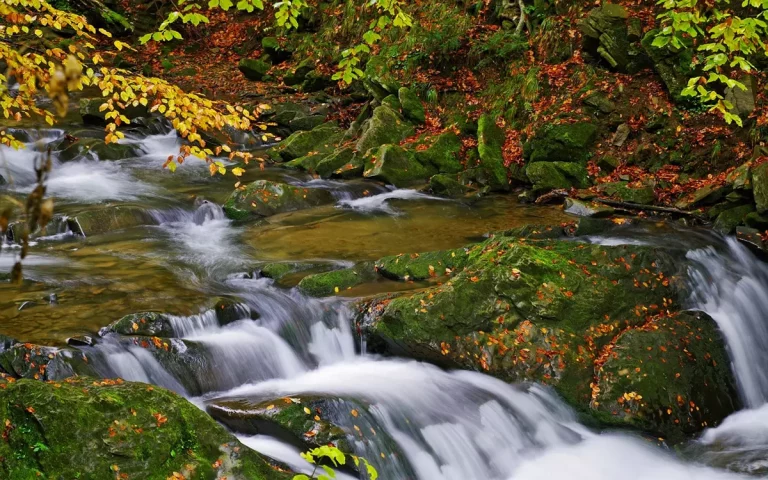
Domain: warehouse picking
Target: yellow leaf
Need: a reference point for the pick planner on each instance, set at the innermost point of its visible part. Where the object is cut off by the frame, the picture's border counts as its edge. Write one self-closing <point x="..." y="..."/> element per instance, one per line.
<point x="307" y="410"/>
<point x="237" y="171"/>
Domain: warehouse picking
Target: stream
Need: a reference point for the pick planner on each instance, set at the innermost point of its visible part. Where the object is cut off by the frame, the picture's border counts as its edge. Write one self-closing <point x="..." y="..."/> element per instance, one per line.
<point x="165" y="245"/>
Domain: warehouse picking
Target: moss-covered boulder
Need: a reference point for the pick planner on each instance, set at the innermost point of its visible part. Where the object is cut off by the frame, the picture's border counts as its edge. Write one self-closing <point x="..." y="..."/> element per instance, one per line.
<point x="26" y="360"/>
<point x="421" y="266"/>
<point x="334" y="161"/>
<point x="263" y="198"/>
<point x="561" y="143"/>
<point x="384" y="126"/>
<point x="555" y="312"/>
<point x="411" y="105"/>
<point x="150" y="324"/>
<point x="490" y="144"/>
<point x="319" y="139"/>
<point x="729" y="219"/>
<point x="674" y="66"/>
<point x="329" y="283"/>
<point x="254" y="69"/>
<point x="760" y="187"/>
<point x="397" y="166"/>
<point x="113" y="429"/>
<point x="547" y="176"/>
<point x="443" y="154"/>
<point x="95" y="221"/>
<point x="299" y="74"/>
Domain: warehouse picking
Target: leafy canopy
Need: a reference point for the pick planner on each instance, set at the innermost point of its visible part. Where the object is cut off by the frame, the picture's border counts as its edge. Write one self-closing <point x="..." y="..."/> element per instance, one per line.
<point x="728" y="33"/>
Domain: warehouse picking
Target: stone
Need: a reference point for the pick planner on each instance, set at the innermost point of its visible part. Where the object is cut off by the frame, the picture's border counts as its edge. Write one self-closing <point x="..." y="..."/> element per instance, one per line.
<point x="740" y="178"/>
<point x="411" y="105"/>
<point x="587" y="209"/>
<point x="392" y="102"/>
<point x="561" y="143"/>
<point x="643" y="195"/>
<point x="319" y="139"/>
<point x="384" y="126"/>
<point x="490" y="144"/>
<point x="606" y="36"/>
<point x="271" y="47"/>
<point x="744" y="101"/>
<point x="760" y="187"/>
<point x="622" y="134"/>
<point x="334" y="161"/>
<point x="422" y="266"/>
<point x="600" y="102"/>
<point x="299" y="74"/>
<point x="149" y="324"/>
<point x="396" y="166"/>
<point x="263" y="198"/>
<point x="608" y="163"/>
<point x="308" y="122"/>
<point x="114" y="426"/>
<point x="315" y="82"/>
<point x="673" y="67"/>
<point x="728" y="220"/>
<point x="106" y="219"/>
<point x="253" y="69"/>
<point x="443" y="154"/>
<point x="756" y="220"/>
<point x="447" y="186"/>
<point x="547" y="176"/>
<point x="336" y="281"/>
<point x="706" y="195"/>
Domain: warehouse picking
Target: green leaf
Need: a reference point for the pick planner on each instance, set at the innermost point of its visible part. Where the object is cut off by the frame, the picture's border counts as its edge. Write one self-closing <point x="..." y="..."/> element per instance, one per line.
<point x="331" y="473"/>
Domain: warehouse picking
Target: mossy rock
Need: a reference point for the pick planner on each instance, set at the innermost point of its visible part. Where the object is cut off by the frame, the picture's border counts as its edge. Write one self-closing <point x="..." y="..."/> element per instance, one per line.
<point x="307" y="122"/>
<point x="26" y="360"/>
<point x="306" y="163"/>
<point x="254" y="69"/>
<point x="490" y="144"/>
<point x="405" y="267"/>
<point x="384" y="126"/>
<point x="641" y="195"/>
<point x="315" y="82"/>
<point x="728" y="220"/>
<point x="672" y="379"/>
<point x="443" y="154"/>
<point x="561" y="143"/>
<point x="447" y="186"/>
<point x="299" y="74"/>
<point x="278" y="270"/>
<point x="112" y="428"/>
<point x="109" y="219"/>
<point x="334" y="161"/>
<point x="550" y="311"/>
<point x="396" y="166"/>
<point x="674" y="67"/>
<point x="329" y="283"/>
<point x="392" y="102"/>
<point x="320" y="139"/>
<point x="411" y="105"/>
<point x="547" y="176"/>
<point x="150" y="324"/>
<point x="271" y="47"/>
<point x="263" y="198"/>
<point x="760" y="187"/>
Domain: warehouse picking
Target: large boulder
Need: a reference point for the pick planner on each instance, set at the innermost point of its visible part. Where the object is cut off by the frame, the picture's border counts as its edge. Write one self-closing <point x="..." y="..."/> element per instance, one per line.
<point x="396" y="166"/>
<point x="411" y="105"/>
<point x="443" y="154"/>
<point x="263" y="198"/>
<point x="490" y="144"/>
<point x="319" y="139"/>
<point x="336" y="281"/>
<point x="105" y="219"/>
<point x="561" y="143"/>
<point x="760" y="187"/>
<point x="334" y="161"/>
<point x="384" y="126"/>
<point x="564" y="314"/>
<point x="673" y="66"/>
<point x="116" y="429"/>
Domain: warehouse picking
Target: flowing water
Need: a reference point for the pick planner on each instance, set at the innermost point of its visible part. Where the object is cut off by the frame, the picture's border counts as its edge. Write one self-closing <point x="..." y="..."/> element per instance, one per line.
<point x="174" y="251"/>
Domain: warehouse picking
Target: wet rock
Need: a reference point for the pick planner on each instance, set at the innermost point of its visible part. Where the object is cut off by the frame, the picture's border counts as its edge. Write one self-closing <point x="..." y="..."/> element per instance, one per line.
<point x="447" y="186"/>
<point x="319" y="139"/>
<point x="384" y="126"/>
<point x="756" y="220"/>
<point x="490" y="144"/>
<point x="286" y="419"/>
<point x="760" y="187"/>
<point x="108" y="219"/>
<point x="149" y="324"/>
<point x="547" y="176"/>
<point x="585" y="209"/>
<point x="740" y="178"/>
<point x="114" y="426"/>
<point x="278" y="270"/>
<point x="263" y="198"/>
<point x="334" y="161"/>
<point x="443" y="154"/>
<point x="396" y="166"/>
<point x="412" y="107"/>
<point x="95" y="149"/>
<point x="306" y="163"/>
<point x="336" y="281"/>
<point x="706" y="195"/>
<point x="91" y="114"/>
<point x="26" y="360"/>
<point x="728" y="220"/>
<point x="254" y="69"/>
<point x="561" y="143"/>
<point x="422" y="266"/>
<point x="561" y="312"/>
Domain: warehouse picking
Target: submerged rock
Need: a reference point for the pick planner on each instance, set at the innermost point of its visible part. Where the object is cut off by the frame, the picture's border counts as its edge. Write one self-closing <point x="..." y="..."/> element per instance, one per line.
<point x="116" y="428"/>
<point x="263" y="198"/>
<point x="447" y="186"/>
<point x="561" y="313"/>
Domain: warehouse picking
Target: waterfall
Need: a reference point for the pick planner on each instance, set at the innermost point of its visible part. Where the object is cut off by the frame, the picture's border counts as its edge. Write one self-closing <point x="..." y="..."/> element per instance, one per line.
<point x="731" y="285"/>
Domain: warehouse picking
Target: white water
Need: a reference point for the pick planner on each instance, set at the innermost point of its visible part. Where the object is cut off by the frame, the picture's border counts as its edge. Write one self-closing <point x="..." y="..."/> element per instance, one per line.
<point x="732" y="287"/>
<point x="380" y="202"/>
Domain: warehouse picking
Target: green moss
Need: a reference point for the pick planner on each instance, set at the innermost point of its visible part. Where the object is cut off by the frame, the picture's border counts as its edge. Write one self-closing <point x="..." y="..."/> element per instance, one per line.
<point x="443" y="154"/>
<point x="490" y="142"/>
<point x="263" y="198"/>
<point x="151" y="324"/>
<point x="546" y="176"/>
<point x="384" y="127"/>
<point x="411" y="104"/>
<point x="254" y="69"/>
<point x="334" y="161"/>
<point x="421" y="266"/>
<point x="561" y="143"/>
<point x="114" y="427"/>
<point x="328" y="283"/>
<point x="320" y="139"/>
<point x="396" y="166"/>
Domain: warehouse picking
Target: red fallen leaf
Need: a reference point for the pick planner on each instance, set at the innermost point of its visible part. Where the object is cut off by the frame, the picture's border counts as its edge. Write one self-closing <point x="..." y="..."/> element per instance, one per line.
<point x="161" y="419"/>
